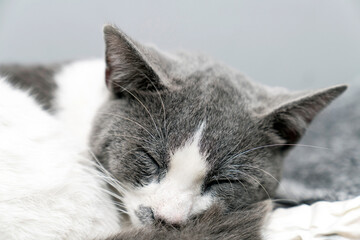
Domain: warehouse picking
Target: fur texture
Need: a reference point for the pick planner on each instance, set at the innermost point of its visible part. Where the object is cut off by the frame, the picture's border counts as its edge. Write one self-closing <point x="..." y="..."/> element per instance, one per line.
<point x="36" y="79"/>
<point x="50" y="189"/>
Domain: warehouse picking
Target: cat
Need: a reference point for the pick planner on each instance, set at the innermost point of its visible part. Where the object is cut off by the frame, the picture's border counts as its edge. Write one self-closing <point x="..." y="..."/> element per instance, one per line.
<point x="183" y="132"/>
<point x="177" y="133"/>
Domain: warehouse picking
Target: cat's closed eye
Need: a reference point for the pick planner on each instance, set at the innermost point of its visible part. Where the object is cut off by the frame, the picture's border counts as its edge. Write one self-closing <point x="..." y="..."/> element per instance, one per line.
<point x="150" y="163"/>
<point x="152" y="158"/>
<point x="221" y="182"/>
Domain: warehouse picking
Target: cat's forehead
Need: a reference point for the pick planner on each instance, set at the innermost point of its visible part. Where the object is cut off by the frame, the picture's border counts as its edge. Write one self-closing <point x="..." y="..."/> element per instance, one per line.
<point x="226" y="125"/>
<point x="208" y="93"/>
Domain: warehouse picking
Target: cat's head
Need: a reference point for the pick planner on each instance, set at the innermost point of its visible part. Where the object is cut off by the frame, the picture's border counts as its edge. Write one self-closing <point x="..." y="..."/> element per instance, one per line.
<point x="182" y="132"/>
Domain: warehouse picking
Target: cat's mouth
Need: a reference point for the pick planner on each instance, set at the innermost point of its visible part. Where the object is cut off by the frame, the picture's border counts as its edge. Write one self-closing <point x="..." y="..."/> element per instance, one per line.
<point x="167" y="205"/>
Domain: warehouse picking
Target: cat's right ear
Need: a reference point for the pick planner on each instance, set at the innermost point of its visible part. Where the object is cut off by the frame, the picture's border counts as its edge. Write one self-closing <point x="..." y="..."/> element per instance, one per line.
<point x="128" y="64"/>
<point x="290" y="120"/>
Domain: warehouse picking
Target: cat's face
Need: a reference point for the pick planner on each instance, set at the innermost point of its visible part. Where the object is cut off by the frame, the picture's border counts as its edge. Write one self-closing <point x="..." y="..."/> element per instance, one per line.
<point x="182" y="133"/>
<point x="179" y="152"/>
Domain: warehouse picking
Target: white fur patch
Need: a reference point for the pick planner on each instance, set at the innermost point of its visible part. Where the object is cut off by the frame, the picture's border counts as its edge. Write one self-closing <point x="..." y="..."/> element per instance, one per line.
<point x="81" y="91"/>
<point x="178" y="195"/>
<point x="48" y="188"/>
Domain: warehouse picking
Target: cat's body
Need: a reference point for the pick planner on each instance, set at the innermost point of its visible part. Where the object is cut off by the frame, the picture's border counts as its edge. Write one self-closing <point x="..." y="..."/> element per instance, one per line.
<point x="49" y="186"/>
<point x="179" y="133"/>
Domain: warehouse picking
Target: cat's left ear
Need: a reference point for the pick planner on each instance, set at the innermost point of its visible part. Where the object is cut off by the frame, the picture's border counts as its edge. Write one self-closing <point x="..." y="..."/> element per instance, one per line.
<point x="130" y="67"/>
<point x="290" y="120"/>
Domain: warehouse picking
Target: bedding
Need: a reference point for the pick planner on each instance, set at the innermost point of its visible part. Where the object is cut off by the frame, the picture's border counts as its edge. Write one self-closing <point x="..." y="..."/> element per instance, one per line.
<point x="321" y="220"/>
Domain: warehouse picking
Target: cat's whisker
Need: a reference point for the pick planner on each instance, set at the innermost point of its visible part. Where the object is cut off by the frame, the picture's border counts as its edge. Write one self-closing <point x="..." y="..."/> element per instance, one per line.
<point x="127" y="137"/>
<point x="117" y="208"/>
<point x="257" y="181"/>
<point x="109" y="181"/>
<point x="131" y="151"/>
<point x="275" y="145"/>
<point x="243" y="185"/>
<point x="112" y="194"/>
<point x="112" y="183"/>
<point x="287" y="144"/>
<point x="232" y="187"/>
<point x="101" y="172"/>
<point x="142" y="104"/>
<point x="99" y="165"/>
<point x="118" y="205"/>
<point x="158" y="93"/>
<point x="131" y="120"/>
<point x="266" y="172"/>
<point x="232" y="150"/>
<point x="120" y="210"/>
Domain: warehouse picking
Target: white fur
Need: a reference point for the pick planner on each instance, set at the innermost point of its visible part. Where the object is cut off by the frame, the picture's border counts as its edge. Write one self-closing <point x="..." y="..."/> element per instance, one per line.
<point x="178" y="195"/>
<point x="81" y="91"/>
<point x="49" y="189"/>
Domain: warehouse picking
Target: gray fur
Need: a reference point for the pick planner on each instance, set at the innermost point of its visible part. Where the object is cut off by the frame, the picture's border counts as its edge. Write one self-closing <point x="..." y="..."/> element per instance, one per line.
<point x="168" y="97"/>
<point x="212" y="225"/>
<point x="37" y="79"/>
<point x="145" y="215"/>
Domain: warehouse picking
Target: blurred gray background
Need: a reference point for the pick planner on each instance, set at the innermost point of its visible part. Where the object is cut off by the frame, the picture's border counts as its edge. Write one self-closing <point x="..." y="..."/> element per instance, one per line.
<point x="292" y="43"/>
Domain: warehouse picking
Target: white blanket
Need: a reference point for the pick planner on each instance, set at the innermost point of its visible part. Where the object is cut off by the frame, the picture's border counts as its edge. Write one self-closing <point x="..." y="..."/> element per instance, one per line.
<point x="322" y="220"/>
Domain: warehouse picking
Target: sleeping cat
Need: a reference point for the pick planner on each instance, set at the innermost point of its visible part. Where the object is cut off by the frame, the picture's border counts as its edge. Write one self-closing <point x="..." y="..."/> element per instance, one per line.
<point x="182" y="132"/>
<point x="179" y="134"/>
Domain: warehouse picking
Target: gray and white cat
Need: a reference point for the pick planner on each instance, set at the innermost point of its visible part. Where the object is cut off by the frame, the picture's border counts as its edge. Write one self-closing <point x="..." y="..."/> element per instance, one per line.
<point x="183" y="132"/>
<point x="180" y="134"/>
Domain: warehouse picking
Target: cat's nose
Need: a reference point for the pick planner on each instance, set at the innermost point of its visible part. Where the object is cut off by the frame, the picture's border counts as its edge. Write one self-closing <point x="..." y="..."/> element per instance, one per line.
<point x="145" y="214"/>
